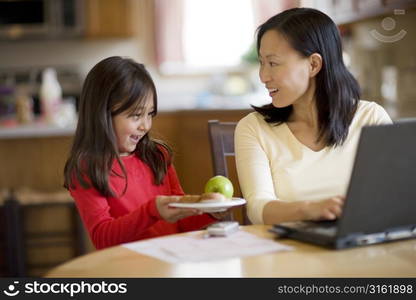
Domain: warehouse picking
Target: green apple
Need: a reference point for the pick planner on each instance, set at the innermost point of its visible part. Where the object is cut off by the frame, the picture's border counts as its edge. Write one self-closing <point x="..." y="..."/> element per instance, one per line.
<point x="220" y="184"/>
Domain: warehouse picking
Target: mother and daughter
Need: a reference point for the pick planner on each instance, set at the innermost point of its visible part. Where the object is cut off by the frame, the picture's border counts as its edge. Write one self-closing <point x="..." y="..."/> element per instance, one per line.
<point x="293" y="156"/>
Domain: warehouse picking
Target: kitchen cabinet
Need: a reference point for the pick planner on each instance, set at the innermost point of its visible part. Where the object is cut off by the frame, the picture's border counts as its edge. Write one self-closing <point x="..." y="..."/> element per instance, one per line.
<point x="32" y="166"/>
<point x="110" y="18"/>
<point x="36" y="156"/>
<point x="344" y="12"/>
<point x="36" y="159"/>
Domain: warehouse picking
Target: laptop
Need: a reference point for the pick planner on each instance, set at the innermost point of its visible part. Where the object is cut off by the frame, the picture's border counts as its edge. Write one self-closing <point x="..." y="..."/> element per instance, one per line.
<point x="380" y="204"/>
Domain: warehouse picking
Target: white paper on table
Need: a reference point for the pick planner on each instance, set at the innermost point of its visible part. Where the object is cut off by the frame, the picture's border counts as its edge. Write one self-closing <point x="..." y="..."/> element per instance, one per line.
<point x="195" y="247"/>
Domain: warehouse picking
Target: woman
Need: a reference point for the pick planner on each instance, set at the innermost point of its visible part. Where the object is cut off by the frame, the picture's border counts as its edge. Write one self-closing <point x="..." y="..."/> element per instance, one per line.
<point x="294" y="156"/>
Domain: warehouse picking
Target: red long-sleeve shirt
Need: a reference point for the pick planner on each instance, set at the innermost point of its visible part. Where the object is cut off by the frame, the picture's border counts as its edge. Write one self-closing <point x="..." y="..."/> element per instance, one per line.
<point x="132" y="216"/>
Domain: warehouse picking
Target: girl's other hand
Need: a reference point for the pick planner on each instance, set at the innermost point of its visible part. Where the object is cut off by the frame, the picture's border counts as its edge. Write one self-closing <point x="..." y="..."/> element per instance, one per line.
<point x="221" y="215"/>
<point x="173" y="214"/>
<point x="328" y="209"/>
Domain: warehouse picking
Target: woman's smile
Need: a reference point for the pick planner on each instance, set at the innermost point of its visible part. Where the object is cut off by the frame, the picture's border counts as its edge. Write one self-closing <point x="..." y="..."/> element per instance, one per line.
<point x="272" y="92"/>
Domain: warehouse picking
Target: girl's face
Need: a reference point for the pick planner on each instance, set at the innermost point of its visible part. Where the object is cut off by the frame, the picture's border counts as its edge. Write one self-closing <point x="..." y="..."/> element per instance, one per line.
<point x="130" y="127"/>
<point x="284" y="71"/>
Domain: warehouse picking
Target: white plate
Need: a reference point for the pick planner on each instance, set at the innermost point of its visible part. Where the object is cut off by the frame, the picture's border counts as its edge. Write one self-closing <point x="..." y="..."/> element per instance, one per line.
<point x="211" y="207"/>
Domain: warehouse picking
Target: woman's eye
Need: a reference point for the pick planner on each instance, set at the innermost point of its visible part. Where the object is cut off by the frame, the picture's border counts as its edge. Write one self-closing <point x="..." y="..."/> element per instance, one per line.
<point x="152" y="113"/>
<point x="273" y="64"/>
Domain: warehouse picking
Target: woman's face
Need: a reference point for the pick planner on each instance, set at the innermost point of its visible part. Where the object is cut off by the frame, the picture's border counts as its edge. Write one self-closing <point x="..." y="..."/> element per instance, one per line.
<point x="283" y="70"/>
<point x="130" y="127"/>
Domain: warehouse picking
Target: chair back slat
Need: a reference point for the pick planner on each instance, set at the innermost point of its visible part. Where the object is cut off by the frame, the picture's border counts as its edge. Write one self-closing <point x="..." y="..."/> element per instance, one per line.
<point x="221" y="135"/>
<point x="222" y="144"/>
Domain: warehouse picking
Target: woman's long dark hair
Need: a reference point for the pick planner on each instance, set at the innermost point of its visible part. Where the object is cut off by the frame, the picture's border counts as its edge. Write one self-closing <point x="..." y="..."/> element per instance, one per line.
<point x="337" y="92"/>
<point x="113" y="86"/>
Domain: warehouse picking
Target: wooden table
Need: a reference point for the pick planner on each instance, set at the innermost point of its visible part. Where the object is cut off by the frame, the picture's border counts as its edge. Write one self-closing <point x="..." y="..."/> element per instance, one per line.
<point x="397" y="259"/>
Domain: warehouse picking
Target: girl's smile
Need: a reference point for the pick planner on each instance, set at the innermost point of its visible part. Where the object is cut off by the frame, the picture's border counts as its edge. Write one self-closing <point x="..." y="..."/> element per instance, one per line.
<point x="131" y="127"/>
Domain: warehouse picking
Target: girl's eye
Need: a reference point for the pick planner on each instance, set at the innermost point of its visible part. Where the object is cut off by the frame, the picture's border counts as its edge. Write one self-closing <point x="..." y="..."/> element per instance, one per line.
<point x="152" y="113"/>
<point x="273" y="64"/>
<point x="136" y="116"/>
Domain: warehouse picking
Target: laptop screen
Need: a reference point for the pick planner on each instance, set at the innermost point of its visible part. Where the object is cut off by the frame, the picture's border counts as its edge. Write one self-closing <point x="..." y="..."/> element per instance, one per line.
<point x="382" y="189"/>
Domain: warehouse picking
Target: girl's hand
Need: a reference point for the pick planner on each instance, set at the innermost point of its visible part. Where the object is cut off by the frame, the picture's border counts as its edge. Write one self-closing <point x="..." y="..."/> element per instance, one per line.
<point x="220" y="198"/>
<point x="173" y="214"/>
<point x="221" y="215"/>
<point x="328" y="209"/>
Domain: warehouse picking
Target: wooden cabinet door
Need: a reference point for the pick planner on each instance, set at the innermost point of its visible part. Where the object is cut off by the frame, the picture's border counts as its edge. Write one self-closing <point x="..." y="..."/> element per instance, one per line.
<point x="108" y="18"/>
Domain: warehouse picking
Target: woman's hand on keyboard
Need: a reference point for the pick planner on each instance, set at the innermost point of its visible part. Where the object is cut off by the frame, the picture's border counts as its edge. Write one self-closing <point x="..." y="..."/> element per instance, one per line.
<point x="327" y="209"/>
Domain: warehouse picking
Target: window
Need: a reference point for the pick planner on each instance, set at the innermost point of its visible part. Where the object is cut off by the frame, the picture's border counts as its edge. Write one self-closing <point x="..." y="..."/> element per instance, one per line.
<point x="205" y="36"/>
<point x="216" y="32"/>
<point x="200" y="36"/>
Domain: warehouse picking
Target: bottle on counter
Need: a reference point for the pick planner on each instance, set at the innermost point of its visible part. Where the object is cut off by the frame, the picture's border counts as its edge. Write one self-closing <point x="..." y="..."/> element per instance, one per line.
<point x="50" y="95"/>
<point x="24" y="107"/>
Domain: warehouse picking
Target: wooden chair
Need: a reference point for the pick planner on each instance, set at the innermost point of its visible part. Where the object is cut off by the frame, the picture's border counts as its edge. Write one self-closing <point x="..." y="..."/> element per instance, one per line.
<point x="18" y="239"/>
<point x="221" y="135"/>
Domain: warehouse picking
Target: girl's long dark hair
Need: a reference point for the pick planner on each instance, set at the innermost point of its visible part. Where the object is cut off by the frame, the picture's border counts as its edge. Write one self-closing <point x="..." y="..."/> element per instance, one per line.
<point x="337" y="92"/>
<point x="113" y="86"/>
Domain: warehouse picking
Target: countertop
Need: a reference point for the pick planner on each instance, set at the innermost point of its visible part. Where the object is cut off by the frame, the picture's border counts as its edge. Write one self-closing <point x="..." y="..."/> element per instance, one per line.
<point x="35" y="130"/>
<point x="39" y="129"/>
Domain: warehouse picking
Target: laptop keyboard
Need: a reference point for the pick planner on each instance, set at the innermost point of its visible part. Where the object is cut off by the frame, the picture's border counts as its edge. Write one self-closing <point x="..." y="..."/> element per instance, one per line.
<point x="321" y="227"/>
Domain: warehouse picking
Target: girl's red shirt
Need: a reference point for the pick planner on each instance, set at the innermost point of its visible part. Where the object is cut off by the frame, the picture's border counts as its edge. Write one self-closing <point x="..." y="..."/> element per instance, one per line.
<point x="133" y="215"/>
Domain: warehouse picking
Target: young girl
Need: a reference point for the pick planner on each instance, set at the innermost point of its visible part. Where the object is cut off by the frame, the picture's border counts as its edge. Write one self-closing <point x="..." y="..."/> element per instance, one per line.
<point x="121" y="179"/>
<point x="294" y="156"/>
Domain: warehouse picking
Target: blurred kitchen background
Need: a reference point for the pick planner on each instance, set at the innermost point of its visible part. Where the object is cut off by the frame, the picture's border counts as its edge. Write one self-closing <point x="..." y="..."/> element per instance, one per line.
<point x="201" y="56"/>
